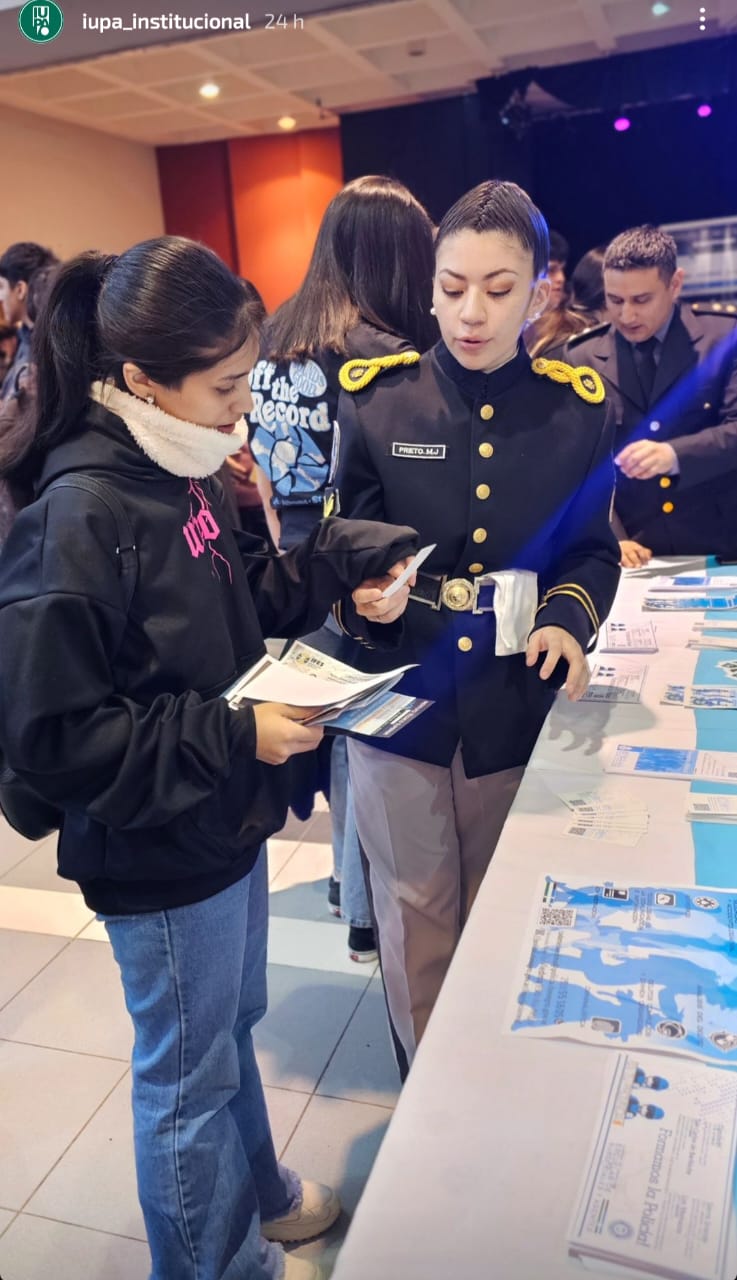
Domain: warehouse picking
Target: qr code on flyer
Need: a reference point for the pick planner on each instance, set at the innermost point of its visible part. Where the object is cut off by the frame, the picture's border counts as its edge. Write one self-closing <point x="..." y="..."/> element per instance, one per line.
<point x="557" y="917"/>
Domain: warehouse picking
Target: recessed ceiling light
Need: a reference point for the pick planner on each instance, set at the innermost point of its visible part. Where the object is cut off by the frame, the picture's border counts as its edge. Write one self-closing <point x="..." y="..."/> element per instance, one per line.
<point x="659" y="9"/>
<point x="286" y="122"/>
<point x="209" y="90"/>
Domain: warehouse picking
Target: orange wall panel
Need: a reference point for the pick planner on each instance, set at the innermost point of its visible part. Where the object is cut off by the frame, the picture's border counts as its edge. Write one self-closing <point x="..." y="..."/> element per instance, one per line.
<point x="281" y="187"/>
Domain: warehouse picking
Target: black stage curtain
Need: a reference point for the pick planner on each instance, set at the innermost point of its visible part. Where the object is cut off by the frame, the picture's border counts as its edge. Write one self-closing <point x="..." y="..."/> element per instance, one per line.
<point x="590" y="181"/>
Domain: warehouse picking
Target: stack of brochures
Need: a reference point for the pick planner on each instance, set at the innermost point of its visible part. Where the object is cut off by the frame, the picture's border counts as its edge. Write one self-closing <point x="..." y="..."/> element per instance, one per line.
<point x="338" y="696"/>
<point x="672" y="762"/>
<point x="611" y="819"/>
<point x="626" y="637"/>
<point x="657" y="1195"/>
<point x="616" y="681"/>
<point x="707" y="807"/>
<point x="706" y="697"/>
<point x="691" y="591"/>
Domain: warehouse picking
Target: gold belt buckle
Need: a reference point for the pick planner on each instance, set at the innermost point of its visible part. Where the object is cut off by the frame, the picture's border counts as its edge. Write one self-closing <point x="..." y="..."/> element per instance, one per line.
<point x="458" y="594"/>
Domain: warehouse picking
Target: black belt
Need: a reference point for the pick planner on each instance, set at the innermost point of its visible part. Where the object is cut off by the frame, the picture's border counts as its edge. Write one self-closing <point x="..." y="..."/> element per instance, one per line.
<point x="459" y="594"/>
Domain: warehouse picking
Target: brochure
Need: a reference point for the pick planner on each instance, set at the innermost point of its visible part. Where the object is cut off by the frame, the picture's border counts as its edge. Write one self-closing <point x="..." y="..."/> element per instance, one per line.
<point x="647" y="966"/>
<point x="683" y="603"/>
<point x="693" y="582"/>
<point x="612" y="682"/>
<point x="706" y="807"/>
<point x="624" y="637"/>
<point x="339" y="697"/>
<point x="712" y="697"/>
<point x="713" y="642"/>
<point x="657" y="1195"/>
<point x="673" y="762"/>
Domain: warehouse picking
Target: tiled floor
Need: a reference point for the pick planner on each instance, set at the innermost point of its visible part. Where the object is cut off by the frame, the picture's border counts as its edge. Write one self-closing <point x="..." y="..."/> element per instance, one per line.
<point x="68" y="1205"/>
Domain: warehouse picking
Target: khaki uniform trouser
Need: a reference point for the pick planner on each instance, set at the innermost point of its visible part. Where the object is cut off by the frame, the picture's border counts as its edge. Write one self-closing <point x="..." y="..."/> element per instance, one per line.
<point x="428" y="834"/>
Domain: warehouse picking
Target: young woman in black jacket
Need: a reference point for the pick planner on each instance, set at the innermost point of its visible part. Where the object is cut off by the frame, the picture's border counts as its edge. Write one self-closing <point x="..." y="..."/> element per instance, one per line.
<point x="111" y="708"/>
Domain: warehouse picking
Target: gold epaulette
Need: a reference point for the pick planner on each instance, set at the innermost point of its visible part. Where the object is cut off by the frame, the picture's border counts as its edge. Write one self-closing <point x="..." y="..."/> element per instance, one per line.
<point x="356" y="374"/>
<point x="715" y="309"/>
<point x="585" y="381"/>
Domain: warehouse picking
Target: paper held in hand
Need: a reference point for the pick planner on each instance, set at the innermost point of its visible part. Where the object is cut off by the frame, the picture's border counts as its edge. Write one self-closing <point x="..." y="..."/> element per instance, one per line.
<point x="340" y="696"/>
<point x="411" y="568"/>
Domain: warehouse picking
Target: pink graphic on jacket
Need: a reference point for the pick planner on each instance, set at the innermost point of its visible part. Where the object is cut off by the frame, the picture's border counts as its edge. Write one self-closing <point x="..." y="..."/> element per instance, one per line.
<point x="202" y="529"/>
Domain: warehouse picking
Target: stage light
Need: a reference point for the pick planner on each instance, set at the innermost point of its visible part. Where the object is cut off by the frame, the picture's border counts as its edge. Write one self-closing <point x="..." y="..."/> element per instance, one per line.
<point x="704" y="111"/>
<point x="659" y="9"/>
<point x="622" y="124"/>
<point x="209" y="90"/>
<point x="287" y="122"/>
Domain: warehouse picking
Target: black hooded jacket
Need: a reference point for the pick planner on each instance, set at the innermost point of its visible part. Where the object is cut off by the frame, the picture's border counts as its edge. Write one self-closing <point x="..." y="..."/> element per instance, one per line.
<point x="115" y="715"/>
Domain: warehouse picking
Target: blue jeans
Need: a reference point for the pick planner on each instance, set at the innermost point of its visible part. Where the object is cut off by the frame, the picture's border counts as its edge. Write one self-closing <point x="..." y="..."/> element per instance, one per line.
<point x="195" y="985"/>
<point x="354" y="905"/>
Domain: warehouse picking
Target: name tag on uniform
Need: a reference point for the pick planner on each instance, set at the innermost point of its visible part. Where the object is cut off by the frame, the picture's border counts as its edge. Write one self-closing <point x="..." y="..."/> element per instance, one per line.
<point x="400" y="450"/>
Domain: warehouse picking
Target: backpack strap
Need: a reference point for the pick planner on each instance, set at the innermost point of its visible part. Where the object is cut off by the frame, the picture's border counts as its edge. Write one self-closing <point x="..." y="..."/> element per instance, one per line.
<point x="126" y="548"/>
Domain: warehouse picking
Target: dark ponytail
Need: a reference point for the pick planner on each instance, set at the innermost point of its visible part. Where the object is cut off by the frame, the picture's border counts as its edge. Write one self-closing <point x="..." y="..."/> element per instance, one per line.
<point x="169" y="306"/>
<point x="66" y="348"/>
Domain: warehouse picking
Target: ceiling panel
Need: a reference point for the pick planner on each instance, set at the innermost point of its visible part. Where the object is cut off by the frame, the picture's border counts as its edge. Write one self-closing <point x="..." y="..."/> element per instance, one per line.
<point x="372" y="55"/>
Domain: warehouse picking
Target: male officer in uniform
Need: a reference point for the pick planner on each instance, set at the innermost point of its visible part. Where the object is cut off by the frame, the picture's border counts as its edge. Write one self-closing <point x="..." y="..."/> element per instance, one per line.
<point x="671" y="372"/>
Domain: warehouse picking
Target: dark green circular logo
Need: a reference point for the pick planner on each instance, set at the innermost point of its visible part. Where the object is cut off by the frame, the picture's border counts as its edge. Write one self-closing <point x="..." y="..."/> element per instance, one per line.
<point x="40" y="22"/>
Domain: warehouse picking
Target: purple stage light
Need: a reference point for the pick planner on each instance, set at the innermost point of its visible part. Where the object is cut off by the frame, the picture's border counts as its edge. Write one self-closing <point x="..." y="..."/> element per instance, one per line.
<point x="704" y="111"/>
<point x="622" y="124"/>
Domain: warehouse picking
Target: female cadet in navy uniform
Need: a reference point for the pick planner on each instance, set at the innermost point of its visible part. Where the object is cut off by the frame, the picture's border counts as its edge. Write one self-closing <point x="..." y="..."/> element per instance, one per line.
<point x="506" y="465"/>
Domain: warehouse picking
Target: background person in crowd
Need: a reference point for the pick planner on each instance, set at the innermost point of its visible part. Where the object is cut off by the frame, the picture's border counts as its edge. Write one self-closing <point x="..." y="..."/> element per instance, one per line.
<point x="17" y="267"/>
<point x="550" y="329"/>
<point x="239" y="474"/>
<point x="367" y="291"/>
<point x="509" y="472"/>
<point x="16" y="410"/>
<point x="8" y="346"/>
<point x="671" y="374"/>
<point x="111" y="708"/>
<point x="585" y="310"/>
<point x="588" y="298"/>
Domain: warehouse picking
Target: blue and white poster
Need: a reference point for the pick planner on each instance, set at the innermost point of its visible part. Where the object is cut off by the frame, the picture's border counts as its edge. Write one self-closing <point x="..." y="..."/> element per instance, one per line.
<point x="644" y="966"/>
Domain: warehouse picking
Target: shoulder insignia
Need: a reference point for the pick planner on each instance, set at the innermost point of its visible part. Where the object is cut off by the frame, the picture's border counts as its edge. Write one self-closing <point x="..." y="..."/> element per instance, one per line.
<point x="594" y="331"/>
<point x="356" y="374"/>
<point x="585" y="382"/>
<point x="715" y="309"/>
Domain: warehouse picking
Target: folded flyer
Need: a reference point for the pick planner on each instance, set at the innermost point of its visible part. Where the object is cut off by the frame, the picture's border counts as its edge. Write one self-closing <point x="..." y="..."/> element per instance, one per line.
<point x="657" y="1194"/>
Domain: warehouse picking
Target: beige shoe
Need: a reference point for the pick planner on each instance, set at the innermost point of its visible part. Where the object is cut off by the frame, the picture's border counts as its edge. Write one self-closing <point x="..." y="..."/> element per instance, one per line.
<point x="301" y="1269"/>
<point x="319" y="1208"/>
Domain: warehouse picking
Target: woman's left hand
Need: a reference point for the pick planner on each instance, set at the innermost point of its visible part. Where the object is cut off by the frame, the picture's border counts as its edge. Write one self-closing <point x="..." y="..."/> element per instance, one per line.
<point x="557" y="644"/>
<point x="372" y="605"/>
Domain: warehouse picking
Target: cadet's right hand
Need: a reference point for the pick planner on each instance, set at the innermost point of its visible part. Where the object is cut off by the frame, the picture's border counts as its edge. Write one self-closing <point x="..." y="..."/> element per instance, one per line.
<point x="280" y="733"/>
<point x="633" y="555"/>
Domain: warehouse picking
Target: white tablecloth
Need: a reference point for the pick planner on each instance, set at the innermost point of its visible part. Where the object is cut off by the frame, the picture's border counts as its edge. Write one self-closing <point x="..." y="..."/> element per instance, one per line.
<point x="481" y="1167"/>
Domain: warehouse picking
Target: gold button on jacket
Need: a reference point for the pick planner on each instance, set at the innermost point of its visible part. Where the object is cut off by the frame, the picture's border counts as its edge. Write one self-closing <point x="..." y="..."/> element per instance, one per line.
<point x="480" y="535"/>
<point x="465" y="643"/>
<point x="475" y="568"/>
<point x="486" y="450"/>
<point x="482" y="491"/>
<point x="487" y="412"/>
<point x="668" y="507"/>
<point x="665" y="482"/>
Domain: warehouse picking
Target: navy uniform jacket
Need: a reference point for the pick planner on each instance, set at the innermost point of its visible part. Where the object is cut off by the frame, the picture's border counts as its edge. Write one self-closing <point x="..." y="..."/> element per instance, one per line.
<point x="694" y="408"/>
<point x="509" y="470"/>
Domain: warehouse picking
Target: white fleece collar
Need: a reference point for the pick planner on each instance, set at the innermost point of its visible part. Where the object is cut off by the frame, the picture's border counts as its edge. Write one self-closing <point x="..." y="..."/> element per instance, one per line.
<point x="182" y="448"/>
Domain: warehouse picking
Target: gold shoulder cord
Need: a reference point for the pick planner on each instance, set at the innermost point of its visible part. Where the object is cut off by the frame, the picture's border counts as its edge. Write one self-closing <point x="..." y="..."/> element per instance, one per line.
<point x="585" y="381"/>
<point x="354" y="375"/>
